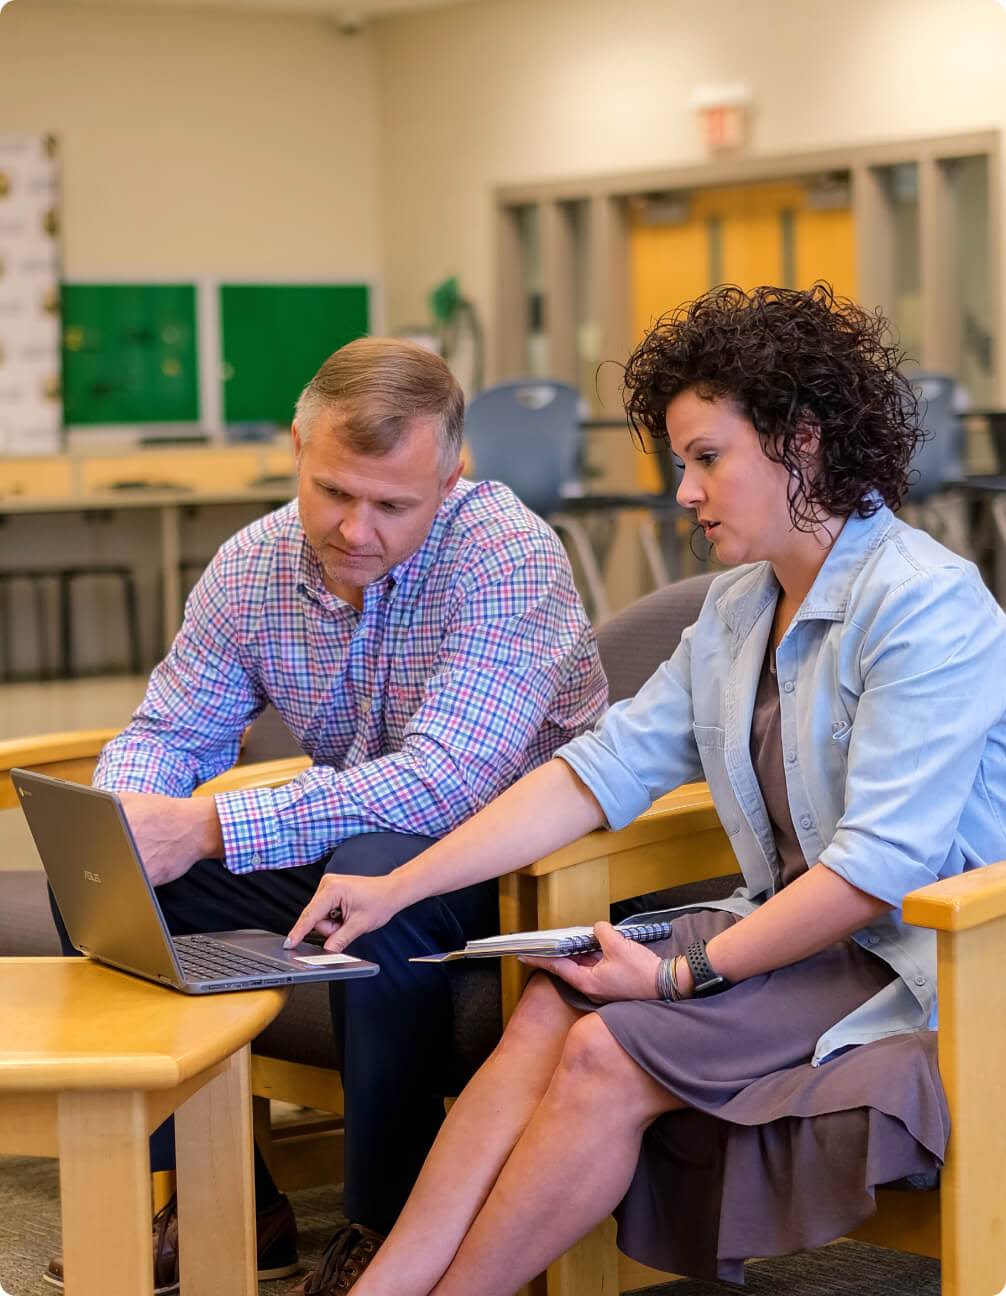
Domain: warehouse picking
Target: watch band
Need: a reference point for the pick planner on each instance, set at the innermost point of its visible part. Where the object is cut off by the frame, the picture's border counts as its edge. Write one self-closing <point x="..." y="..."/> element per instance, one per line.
<point x="705" y="980"/>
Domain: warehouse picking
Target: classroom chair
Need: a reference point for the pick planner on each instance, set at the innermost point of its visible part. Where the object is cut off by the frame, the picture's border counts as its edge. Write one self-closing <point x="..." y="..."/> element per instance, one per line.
<point x="678" y="842"/>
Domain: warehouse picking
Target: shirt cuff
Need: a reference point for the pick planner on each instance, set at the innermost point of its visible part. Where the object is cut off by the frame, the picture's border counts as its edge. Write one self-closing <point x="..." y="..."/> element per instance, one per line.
<point x="619" y="792"/>
<point x="143" y="774"/>
<point x="250" y="827"/>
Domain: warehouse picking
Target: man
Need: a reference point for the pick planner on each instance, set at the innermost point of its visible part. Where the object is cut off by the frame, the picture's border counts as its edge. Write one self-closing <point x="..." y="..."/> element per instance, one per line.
<point x="421" y="637"/>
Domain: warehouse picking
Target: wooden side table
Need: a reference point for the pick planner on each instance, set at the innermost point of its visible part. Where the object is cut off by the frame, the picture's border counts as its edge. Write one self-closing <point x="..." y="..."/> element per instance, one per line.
<point x="91" y="1061"/>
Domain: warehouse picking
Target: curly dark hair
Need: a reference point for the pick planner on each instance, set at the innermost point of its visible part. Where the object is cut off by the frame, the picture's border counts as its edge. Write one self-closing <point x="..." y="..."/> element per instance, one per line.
<point x="788" y="359"/>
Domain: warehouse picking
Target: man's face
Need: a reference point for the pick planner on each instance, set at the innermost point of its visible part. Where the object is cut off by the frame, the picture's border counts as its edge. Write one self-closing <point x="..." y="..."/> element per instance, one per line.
<point x="364" y="514"/>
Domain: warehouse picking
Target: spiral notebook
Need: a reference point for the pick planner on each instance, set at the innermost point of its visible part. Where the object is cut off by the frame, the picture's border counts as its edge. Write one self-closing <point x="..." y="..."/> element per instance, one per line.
<point x="558" y="942"/>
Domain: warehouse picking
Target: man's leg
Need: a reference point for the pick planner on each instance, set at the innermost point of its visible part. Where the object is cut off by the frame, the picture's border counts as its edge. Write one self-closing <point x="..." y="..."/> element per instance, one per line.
<point x="397" y="1031"/>
<point x="211" y="898"/>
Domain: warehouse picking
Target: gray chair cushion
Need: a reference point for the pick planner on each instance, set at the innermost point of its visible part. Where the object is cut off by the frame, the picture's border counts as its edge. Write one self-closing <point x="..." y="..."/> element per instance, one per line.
<point x="635" y="641"/>
<point x="26" y="926"/>
<point x="268" y="738"/>
<point x="303" y="1030"/>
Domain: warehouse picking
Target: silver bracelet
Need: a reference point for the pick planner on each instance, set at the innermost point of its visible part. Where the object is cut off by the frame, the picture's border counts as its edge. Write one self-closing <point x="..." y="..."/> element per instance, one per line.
<point x="674" y="978"/>
<point x="667" y="987"/>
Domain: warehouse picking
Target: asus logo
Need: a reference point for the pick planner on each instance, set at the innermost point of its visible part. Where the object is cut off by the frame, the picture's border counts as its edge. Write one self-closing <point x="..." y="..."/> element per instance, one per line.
<point x="91" y="877"/>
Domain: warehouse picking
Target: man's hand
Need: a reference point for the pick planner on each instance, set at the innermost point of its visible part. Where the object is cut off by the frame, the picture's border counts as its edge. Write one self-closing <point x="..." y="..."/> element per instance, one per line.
<point x="345" y="907"/>
<point x="172" y="833"/>
<point x="623" y="969"/>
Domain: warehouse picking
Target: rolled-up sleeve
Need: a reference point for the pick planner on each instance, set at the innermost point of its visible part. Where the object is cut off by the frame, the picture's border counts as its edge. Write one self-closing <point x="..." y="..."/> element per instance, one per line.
<point x="644" y="746"/>
<point x="933" y="665"/>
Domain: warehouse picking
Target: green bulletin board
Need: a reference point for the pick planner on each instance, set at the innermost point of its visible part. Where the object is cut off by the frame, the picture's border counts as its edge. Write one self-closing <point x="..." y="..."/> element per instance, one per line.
<point x="275" y="336"/>
<point x="129" y="353"/>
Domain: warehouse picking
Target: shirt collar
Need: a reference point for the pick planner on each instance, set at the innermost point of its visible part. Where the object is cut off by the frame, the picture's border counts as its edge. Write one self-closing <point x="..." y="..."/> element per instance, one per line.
<point x="829" y="596"/>
<point x="745" y="600"/>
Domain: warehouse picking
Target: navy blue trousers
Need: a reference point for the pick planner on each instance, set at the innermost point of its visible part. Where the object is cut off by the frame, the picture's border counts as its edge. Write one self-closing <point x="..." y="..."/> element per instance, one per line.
<point x="396" y="1029"/>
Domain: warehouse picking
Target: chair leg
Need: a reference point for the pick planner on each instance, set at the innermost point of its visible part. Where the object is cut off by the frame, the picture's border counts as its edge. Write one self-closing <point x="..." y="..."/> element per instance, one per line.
<point x="592" y="574"/>
<point x="45" y="668"/>
<point x="6" y="643"/>
<point x="650" y="542"/>
<point x="132" y="622"/>
<point x="950" y="512"/>
<point x="65" y="626"/>
<point x="998" y="511"/>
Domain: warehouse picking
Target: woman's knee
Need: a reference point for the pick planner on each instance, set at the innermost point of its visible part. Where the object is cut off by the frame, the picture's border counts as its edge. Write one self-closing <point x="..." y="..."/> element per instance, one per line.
<point x="594" y="1068"/>
<point x="541" y="1017"/>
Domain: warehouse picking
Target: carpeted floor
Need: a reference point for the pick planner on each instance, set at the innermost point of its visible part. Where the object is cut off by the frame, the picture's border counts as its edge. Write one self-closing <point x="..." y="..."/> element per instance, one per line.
<point x="29" y="1226"/>
<point x="29" y="1231"/>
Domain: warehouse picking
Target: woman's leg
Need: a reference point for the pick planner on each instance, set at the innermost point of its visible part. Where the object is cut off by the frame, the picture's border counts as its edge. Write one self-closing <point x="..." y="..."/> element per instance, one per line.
<point x="474" y="1141"/>
<point x="570" y="1168"/>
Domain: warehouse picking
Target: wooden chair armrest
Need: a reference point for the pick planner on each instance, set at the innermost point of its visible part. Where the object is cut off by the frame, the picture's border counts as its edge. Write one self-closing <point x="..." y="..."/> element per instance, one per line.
<point x="260" y="774"/>
<point x="70" y="755"/>
<point x="686" y="811"/>
<point x="958" y="903"/>
<point x="43" y="749"/>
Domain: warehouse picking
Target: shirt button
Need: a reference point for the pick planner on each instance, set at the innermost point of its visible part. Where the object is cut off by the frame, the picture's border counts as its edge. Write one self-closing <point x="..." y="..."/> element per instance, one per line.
<point x="364" y="704"/>
<point x="805" y="821"/>
<point x="791" y="755"/>
<point x="256" y="859"/>
<point x="870" y="939"/>
<point x="920" y="980"/>
<point x="789" y="686"/>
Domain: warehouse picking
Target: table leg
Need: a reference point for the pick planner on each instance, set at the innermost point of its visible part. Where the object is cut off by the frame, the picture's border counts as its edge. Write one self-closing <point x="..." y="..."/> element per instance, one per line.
<point x="171" y="553"/>
<point x="216" y="1187"/>
<point x="104" y="1181"/>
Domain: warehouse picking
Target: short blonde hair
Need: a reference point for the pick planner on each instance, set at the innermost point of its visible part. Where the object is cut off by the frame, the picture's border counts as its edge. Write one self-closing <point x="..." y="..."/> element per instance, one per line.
<point x="380" y="385"/>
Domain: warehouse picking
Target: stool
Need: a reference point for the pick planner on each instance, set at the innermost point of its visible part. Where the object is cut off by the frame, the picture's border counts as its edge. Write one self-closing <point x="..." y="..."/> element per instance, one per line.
<point x="37" y="580"/>
<point x="67" y="576"/>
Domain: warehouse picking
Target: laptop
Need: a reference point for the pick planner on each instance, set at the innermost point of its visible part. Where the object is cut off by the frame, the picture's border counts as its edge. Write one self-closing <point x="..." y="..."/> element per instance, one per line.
<point x="112" y="915"/>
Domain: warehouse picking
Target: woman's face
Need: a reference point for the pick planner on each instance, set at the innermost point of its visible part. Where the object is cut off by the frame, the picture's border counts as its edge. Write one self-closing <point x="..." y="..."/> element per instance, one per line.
<point x="738" y="494"/>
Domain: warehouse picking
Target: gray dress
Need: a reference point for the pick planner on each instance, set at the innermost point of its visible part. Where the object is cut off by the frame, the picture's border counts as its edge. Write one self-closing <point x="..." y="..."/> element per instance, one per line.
<point x="773" y="1155"/>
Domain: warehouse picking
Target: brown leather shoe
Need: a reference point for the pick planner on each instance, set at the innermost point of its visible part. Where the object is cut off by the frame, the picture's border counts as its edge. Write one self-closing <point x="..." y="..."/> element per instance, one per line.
<point x="344" y="1259"/>
<point x="275" y="1230"/>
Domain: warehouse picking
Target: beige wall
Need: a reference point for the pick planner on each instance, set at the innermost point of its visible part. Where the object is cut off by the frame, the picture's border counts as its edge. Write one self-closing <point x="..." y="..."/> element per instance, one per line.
<point x="518" y="90"/>
<point x="200" y="143"/>
<point x="227" y="142"/>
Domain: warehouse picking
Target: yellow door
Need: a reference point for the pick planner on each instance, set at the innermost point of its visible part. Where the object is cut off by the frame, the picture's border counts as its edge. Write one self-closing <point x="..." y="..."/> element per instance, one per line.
<point x="740" y="234"/>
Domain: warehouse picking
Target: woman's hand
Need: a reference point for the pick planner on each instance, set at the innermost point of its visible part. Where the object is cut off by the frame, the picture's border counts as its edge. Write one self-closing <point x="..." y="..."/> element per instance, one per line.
<point x="343" y="908"/>
<point x="623" y="969"/>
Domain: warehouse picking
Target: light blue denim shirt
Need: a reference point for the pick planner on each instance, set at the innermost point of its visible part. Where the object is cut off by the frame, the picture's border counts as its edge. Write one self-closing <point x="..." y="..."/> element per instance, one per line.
<point x="892" y="694"/>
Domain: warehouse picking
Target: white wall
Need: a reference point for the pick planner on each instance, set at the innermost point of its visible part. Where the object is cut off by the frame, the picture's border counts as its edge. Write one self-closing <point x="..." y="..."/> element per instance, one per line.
<point x="518" y="90"/>
<point x="200" y="143"/>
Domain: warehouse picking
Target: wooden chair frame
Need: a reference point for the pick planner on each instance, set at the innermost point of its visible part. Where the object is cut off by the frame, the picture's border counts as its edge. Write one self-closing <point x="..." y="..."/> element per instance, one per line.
<point x="679" y="840"/>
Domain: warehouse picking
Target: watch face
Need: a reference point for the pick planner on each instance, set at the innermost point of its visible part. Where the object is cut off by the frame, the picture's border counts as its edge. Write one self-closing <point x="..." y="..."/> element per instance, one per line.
<point x="713" y="986"/>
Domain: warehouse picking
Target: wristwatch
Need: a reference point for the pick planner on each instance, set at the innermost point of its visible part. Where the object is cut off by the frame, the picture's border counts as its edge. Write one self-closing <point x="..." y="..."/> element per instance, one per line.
<point x="705" y="980"/>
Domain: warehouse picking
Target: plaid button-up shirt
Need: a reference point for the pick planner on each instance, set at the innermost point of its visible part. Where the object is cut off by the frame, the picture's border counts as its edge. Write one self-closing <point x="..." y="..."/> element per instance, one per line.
<point x="469" y="664"/>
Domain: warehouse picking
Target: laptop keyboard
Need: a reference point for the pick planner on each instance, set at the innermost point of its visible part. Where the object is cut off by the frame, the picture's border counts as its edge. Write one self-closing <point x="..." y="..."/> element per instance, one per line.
<point x="203" y="959"/>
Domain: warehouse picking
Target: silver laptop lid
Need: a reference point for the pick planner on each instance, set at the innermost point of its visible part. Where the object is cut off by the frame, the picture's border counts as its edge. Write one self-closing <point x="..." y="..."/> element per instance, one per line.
<point x="94" y="869"/>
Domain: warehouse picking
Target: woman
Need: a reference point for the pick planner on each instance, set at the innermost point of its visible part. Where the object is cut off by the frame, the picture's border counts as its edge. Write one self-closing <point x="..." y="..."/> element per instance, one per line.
<point x="843" y="692"/>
